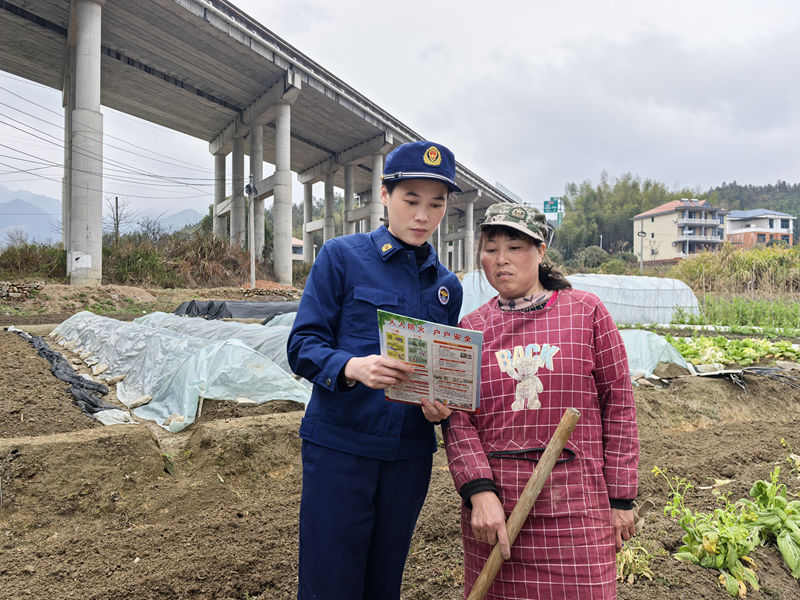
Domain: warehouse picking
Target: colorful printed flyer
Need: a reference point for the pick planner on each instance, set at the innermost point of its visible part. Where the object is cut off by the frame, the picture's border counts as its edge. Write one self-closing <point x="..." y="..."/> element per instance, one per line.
<point x="446" y="360"/>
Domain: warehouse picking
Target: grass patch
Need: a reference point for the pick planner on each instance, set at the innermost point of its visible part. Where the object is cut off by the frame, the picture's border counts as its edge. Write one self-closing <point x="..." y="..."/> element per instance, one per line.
<point x="770" y="313"/>
<point x="764" y="271"/>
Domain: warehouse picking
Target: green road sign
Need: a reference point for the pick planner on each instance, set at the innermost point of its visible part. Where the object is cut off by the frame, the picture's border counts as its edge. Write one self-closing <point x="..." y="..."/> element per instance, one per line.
<point x="551" y="205"/>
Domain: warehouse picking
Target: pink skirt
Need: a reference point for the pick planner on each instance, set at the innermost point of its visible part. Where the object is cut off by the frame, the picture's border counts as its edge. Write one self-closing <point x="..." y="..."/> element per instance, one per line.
<point x="553" y="558"/>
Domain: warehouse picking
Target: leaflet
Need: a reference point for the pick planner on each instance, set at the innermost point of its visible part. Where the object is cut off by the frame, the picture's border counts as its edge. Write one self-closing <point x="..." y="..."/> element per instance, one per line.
<point x="446" y="360"/>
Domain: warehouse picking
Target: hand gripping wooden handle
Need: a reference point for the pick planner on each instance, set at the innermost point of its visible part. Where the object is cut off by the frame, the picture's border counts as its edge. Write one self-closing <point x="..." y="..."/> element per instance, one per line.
<point x="526" y="501"/>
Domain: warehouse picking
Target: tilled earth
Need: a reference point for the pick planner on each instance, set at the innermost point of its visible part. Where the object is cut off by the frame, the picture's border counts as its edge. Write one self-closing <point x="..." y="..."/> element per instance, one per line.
<point x="130" y="512"/>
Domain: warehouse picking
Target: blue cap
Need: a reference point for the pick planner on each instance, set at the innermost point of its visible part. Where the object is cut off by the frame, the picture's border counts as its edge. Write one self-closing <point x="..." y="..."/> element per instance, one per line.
<point x="421" y="160"/>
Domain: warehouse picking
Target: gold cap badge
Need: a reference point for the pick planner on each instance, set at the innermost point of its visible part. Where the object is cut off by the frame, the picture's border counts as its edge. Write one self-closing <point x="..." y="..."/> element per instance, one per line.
<point x="432" y="156"/>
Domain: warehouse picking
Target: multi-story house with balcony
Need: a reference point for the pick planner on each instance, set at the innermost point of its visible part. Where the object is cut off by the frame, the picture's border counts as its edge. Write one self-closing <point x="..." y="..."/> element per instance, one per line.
<point x="758" y="227"/>
<point x="677" y="229"/>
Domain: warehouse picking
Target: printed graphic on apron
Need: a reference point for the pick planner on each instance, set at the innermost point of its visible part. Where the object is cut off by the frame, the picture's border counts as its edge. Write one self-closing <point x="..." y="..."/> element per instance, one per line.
<point x="522" y="364"/>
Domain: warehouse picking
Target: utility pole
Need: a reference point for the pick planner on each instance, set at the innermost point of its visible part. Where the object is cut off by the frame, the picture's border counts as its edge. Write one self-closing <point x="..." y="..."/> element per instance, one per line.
<point x="251" y="232"/>
<point x="641" y="235"/>
<point x="116" y="221"/>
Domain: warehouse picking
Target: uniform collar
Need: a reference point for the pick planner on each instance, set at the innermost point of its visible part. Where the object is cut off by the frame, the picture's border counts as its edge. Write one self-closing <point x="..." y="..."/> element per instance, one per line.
<point x="387" y="246"/>
<point x="385" y="243"/>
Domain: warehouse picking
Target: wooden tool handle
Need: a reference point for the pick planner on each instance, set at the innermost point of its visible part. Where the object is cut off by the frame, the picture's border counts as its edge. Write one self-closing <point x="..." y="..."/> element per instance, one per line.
<point x="526" y="501"/>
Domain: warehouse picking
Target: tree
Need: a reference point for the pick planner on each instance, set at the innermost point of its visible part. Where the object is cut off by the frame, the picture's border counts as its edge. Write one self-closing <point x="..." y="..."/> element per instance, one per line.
<point x="16" y="237"/>
<point x="119" y="215"/>
<point x="150" y="228"/>
<point x="605" y="212"/>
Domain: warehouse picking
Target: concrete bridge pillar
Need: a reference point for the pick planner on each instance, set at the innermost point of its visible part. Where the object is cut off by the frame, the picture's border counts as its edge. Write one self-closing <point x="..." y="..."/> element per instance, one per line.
<point x="219" y="222"/>
<point x="257" y="171"/>
<point x="282" y="205"/>
<point x="329" y="230"/>
<point x="348" y="225"/>
<point x="83" y="214"/>
<point x="365" y="199"/>
<point x="308" y="241"/>
<point x="376" y="212"/>
<point x="237" y="194"/>
<point x="469" y="234"/>
<point x="444" y="257"/>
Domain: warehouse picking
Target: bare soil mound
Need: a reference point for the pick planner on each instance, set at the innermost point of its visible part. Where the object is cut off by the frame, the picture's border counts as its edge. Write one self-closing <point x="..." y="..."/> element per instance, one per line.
<point x="131" y="512"/>
<point x="57" y="302"/>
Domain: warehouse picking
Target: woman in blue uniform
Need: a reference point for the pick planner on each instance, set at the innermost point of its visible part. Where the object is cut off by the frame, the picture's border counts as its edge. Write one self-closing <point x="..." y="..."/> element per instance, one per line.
<point x="367" y="461"/>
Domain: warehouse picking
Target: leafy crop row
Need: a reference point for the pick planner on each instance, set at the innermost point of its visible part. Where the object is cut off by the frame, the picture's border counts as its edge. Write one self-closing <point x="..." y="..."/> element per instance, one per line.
<point x="744" y="352"/>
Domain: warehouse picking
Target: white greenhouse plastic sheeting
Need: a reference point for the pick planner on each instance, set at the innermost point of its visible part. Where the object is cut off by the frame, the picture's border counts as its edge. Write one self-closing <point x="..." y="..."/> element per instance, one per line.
<point x="269" y="340"/>
<point x="174" y="369"/>
<point x="646" y="349"/>
<point x="286" y="319"/>
<point x="630" y="299"/>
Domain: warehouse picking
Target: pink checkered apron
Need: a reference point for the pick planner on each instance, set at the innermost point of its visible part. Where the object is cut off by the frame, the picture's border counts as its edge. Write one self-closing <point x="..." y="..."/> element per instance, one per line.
<point x="569" y="354"/>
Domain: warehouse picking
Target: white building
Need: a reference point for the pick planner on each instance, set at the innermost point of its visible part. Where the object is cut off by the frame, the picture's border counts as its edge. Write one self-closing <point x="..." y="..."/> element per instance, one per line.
<point x="757" y="227"/>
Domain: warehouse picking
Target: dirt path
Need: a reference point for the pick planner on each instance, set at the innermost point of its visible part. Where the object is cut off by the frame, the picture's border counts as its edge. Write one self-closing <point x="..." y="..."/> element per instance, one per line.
<point x="128" y="512"/>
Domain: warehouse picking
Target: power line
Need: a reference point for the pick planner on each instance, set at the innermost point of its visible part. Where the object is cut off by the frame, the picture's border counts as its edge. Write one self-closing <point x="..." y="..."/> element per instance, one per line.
<point x="94" y="156"/>
<point x="25" y="170"/>
<point x="134" y="180"/>
<point x="175" y="161"/>
<point x="27" y="114"/>
<point x="48" y="162"/>
<point x="105" y="144"/>
<point x="112" y="192"/>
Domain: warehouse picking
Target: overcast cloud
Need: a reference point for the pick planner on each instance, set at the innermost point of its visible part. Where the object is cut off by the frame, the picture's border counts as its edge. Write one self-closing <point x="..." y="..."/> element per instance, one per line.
<point x="531" y="94"/>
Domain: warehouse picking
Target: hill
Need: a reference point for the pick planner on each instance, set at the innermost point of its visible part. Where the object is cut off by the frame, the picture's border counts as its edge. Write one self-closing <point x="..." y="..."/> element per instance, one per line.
<point x="51" y="206"/>
<point x="782" y="196"/>
<point x="25" y="217"/>
<point x="39" y="217"/>
<point x="179" y="220"/>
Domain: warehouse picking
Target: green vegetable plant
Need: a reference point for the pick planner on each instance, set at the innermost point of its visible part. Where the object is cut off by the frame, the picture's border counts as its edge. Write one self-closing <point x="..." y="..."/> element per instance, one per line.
<point x="743" y="352"/>
<point x="777" y="518"/>
<point x="721" y="539"/>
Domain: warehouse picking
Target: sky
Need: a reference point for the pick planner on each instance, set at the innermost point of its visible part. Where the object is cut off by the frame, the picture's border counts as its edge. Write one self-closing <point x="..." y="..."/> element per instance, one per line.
<point x="529" y="94"/>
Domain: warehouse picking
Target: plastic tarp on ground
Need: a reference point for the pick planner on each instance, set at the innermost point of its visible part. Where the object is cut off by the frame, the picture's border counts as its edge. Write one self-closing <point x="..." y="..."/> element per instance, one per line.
<point x="86" y="393"/>
<point x="269" y="341"/>
<point x="234" y="309"/>
<point x="175" y="369"/>
<point x="286" y="319"/>
<point x="630" y="299"/>
<point x="646" y="349"/>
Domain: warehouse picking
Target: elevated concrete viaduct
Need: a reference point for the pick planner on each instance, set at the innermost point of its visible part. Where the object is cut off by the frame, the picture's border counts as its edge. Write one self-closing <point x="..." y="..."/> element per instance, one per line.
<point x="205" y="68"/>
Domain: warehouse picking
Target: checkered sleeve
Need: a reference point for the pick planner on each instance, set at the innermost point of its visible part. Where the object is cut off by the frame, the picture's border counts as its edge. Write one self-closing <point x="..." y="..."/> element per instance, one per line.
<point x="465" y="453"/>
<point x="618" y="409"/>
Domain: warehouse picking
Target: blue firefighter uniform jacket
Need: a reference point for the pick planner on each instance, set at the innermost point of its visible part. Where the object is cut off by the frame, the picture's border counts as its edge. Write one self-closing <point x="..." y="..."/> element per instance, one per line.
<point x="352" y="277"/>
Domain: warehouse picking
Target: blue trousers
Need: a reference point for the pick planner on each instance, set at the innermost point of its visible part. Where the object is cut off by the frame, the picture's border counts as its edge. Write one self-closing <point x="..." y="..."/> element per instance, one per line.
<point x="357" y="516"/>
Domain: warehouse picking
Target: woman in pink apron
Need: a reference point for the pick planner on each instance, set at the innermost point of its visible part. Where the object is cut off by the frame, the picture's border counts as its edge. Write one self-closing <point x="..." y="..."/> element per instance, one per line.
<point x="546" y="348"/>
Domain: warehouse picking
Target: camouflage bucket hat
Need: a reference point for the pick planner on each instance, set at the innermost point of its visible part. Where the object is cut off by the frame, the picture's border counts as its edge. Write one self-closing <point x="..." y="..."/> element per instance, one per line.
<point x="524" y="219"/>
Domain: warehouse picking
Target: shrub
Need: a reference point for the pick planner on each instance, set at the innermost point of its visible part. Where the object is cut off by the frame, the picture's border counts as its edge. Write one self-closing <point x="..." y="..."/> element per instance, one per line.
<point x="554" y="256"/>
<point x="24" y="259"/>
<point x="614" y="266"/>
<point x="591" y="257"/>
<point x="300" y="271"/>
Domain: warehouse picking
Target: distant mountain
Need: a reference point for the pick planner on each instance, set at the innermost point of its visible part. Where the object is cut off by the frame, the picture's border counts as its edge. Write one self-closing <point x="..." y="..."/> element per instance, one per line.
<point x="39" y="217"/>
<point x="51" y="206"/>
<point x="22" y="216"/>
<point x="179" y="220"/>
